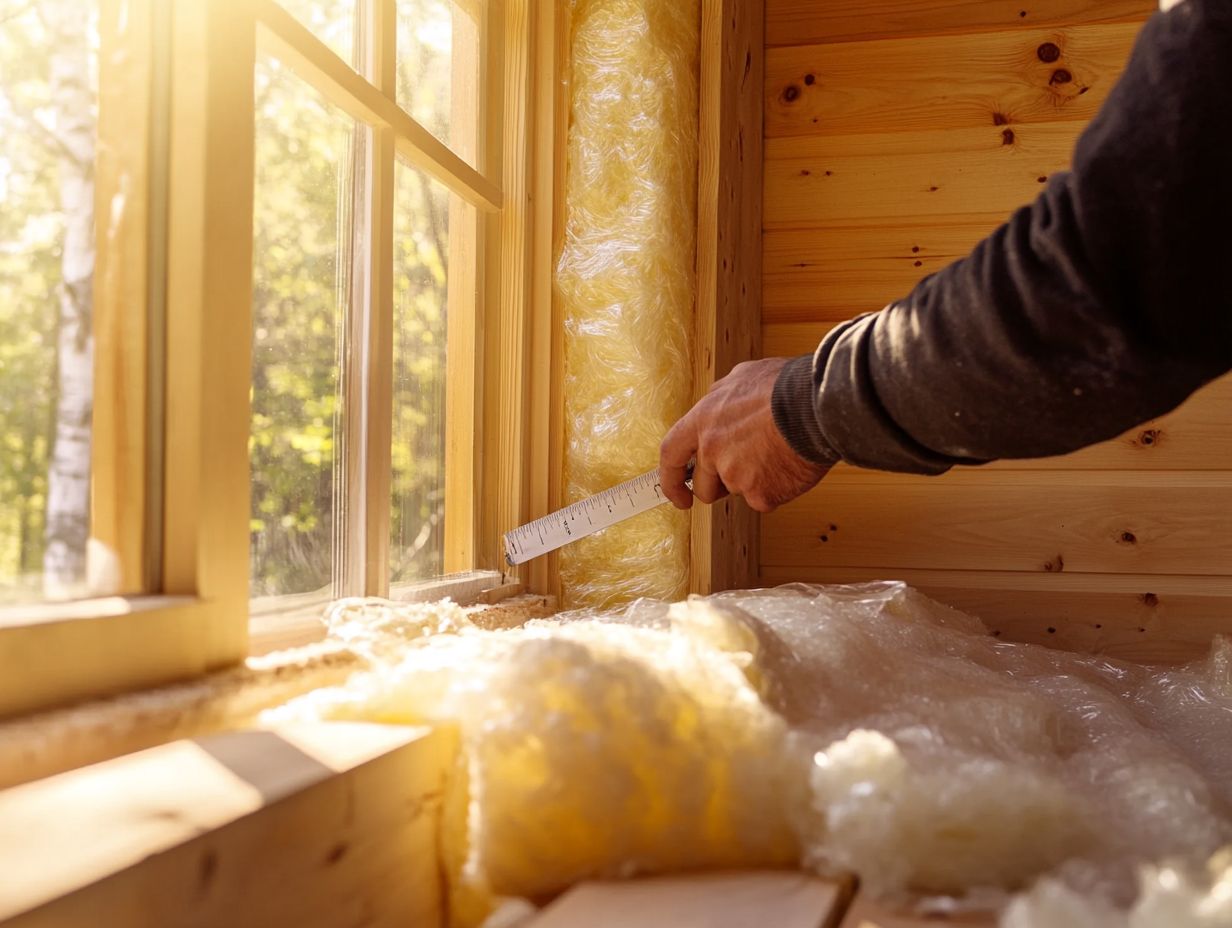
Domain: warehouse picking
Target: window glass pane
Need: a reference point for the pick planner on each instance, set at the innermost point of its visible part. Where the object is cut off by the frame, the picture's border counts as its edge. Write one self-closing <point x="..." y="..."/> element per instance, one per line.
<point x="438" y="70"/>
<point x="331" y="21"/>
<point x="305" y="157"/>
<point x="430" y="225"/>
<point x="48" y="118"/>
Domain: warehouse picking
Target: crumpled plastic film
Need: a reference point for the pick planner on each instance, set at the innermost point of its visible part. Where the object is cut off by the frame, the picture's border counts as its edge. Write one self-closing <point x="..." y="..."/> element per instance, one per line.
<point x="1179" y="896"/>
<point x="863" y="729"/>
<point x="625" y="280"/>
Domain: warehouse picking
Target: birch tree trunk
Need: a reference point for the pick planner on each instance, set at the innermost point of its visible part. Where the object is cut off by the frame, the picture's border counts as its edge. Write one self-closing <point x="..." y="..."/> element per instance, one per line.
<point x="68" y="481"/>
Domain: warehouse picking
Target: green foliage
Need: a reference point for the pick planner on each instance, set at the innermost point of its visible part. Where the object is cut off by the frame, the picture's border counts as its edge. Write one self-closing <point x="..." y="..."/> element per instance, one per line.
<point x="305" y="252"/>
<point x="308" y="158"/>
<point x="31" y="243"/>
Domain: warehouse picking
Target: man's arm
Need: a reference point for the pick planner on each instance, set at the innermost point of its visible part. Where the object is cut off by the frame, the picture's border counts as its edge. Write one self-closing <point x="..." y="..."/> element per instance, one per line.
<point x="1103" y="304"/>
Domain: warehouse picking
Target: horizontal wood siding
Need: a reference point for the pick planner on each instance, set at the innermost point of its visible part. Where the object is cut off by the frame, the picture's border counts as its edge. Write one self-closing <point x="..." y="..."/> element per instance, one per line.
<point x="898" y="135"/>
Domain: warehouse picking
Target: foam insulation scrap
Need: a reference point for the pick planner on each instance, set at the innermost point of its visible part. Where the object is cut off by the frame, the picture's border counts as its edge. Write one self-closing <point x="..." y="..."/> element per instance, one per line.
<point x="859" y="729"/>
<point x="625" y="280"/>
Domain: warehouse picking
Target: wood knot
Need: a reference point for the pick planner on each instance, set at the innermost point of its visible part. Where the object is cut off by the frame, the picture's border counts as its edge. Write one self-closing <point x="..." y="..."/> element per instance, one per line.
<point x="810" y="79"/>
<point x="915" y="249"/>
<point x="1128" y="538"/>
<point x="1022" y="14"/>
<point x="336" y="853"/>
<point x="1042" y="179"/>
<point x="1149" y="599"/>
<point x="1148" y="437"/>
<point x="1056" y="565"/>
<point x="1060" y="76"/>
<point x="1000" y="119"/>
<point x="1007" y="137"/>
<point x="805" y="172"/>
<point x="791" y="93"/>
<point x="824" y="538"/>
<point x="1052" y="630"/>
<point x="919" y="264"/>
<point x="1048" y="52"/>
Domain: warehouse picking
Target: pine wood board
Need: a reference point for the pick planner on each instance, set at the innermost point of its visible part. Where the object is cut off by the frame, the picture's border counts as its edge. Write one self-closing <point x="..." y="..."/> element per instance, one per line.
<point x="813" y="181"/>
<point x="1047" y="521"/>
<point x="799" y="22"/>
<point x="727" y="324"/>
<point x="783" y="899"/>
<point x="309" y="825"/>
<point x="1140" y="617"/>
<point x="841" y="270"/>
<point x="1003" y="79"/>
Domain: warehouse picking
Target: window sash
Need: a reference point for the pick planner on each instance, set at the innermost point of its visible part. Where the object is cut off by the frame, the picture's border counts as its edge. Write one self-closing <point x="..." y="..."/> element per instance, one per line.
<point x="174" y="342"/>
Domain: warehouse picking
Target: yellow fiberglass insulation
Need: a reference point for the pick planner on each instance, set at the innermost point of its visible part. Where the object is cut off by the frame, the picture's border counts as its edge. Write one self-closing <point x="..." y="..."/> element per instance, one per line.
<point x="861" y="730"/>
<point x="625" y="280"/>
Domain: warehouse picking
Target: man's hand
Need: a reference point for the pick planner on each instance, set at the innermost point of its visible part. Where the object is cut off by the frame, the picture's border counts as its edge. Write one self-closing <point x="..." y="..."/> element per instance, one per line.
<point x="731" y="437"/>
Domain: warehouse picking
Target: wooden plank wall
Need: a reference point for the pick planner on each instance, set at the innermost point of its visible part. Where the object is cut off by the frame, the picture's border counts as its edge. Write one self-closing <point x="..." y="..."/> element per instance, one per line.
<point x="897" y="134"/>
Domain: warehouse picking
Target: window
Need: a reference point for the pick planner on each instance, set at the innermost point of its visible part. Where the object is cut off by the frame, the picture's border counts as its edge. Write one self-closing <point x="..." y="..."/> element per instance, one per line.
<point x="48" y="135"/>
<point x="311" y="228"/>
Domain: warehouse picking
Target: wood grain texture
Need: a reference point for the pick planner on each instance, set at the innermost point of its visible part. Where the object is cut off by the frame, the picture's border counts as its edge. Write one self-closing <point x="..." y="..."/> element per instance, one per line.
<point x="1045" y="521"/>
<point x="843" y="269"/>
<point x="314" y="825"/>
<point x="783" y="899"/>
<point x="1003" y="79"/>
<point x="1195" y="436"/>
<point x="1140" y="617"/>
<point x="812" y="181"/>
<point x="727" y="325"/>
<point x="800" y="22"/>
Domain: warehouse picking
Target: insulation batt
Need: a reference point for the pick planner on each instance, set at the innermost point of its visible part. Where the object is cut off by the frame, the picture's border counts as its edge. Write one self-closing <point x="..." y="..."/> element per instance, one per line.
<point x="625" y="280"/>
<point x="863" y="729"/>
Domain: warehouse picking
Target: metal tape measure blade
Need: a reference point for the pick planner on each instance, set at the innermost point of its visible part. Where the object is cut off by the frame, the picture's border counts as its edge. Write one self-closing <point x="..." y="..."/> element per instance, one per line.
<point x="583" y="518"/>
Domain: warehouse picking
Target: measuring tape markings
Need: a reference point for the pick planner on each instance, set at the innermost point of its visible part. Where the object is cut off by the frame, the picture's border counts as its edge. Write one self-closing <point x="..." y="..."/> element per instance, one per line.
<point x="558" y="529"/>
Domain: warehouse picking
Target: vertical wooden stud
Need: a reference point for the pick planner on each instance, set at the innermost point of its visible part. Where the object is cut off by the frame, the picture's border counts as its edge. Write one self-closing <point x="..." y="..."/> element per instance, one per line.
<point x="724" y="552"/>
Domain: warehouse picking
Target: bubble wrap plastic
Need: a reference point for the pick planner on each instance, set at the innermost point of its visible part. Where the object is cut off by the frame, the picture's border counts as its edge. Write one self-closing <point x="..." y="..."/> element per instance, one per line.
<point x="863" y="729"/>
<point x="625" y="280"/>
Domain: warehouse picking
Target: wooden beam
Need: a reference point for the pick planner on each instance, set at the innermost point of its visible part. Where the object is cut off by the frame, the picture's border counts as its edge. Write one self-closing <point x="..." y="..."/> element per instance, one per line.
<point x="948" y="82"/>
<point x="307" y="825"/>
<point x="723" y="552"/>
<point x="783" y="899"/>
<point x="804" y="22"/>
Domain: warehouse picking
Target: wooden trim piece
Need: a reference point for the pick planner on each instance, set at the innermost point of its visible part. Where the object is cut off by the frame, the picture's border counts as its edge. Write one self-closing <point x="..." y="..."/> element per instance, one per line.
<point x="946" y="82"/>
<point x="784" y="899"/>
<point x="123" y="175"/>
<point x="311" y="825"/>
<point x="376" y="426"/>
<point x="1160" y="618"/>
<point x="723" y="540"/>
<point x="288" y="39"/>
<point x="507" y="318"/>
<point x="904" y="176"/>
<point x="804" y="22"/>
<point x="470" y="101"/>
<point x="549" y="115"/>
<point x="120" y="644"/>
<point x="209" y="318"/>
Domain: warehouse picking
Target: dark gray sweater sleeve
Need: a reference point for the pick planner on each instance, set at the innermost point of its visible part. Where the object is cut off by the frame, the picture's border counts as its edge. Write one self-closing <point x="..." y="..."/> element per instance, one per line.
<point x="1103" y="304"/>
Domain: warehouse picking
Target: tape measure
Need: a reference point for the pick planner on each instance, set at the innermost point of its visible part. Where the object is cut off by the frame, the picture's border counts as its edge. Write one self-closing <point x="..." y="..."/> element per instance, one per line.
<point x="585" y="517"/>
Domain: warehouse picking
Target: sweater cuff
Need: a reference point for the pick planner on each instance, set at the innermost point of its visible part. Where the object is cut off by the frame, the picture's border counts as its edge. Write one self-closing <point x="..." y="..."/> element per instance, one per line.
<point x="792" y="404"/>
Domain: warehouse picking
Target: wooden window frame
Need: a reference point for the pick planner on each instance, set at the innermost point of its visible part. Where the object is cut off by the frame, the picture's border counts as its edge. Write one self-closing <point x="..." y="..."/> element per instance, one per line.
<point x="173" y="343"/>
